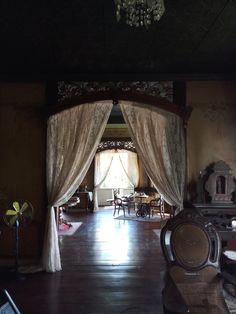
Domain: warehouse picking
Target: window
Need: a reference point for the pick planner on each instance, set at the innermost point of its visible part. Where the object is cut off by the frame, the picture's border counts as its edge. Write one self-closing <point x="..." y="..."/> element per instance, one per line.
<point x="123" y="171"/>
<point x="116" y="177"/>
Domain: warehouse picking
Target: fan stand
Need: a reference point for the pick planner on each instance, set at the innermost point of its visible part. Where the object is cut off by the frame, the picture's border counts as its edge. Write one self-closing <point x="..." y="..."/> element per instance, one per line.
<point x="17" y="246"/>
<point x="20" y="214"/>
<point x="16" y="270"/>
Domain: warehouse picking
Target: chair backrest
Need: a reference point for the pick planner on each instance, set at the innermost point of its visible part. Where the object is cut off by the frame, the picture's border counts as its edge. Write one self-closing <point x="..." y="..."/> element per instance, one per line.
<point x="190" y="241"/>
<point x="192" y="248"/>
<point x="156" y="202"/>
<point x="116" y="193"/>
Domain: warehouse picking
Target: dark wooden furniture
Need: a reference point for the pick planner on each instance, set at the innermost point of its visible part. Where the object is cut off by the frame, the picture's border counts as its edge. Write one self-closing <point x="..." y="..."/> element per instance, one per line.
<point x="192" y="248"/>
<point x="157" y="205"/>
<point x="118" y="205"/>
<point x="149" y="209"/>
<point x="86" y="200"/>
<point x="216" y="210"/>
<point x="220" y="215"/>
<point x="143" y="210"/>
<point x="122" y="202"/>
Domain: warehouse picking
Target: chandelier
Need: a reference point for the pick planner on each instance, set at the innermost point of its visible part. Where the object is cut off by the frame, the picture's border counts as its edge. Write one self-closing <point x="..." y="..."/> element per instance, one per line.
<point x="140" y="12"/>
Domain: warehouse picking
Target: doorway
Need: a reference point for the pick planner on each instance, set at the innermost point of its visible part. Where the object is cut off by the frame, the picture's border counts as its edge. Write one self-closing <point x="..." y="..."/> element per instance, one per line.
<point x="140" y="117"/>
<point x="115" y="170"/>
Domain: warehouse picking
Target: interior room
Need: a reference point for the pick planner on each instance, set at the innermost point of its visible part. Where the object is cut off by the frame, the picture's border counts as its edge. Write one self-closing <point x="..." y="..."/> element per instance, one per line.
<point x="80" y="79"/>
<point x="118" y="162"/>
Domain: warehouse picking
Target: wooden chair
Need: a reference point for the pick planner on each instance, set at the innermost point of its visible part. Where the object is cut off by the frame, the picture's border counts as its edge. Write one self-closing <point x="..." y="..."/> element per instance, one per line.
<point x="128" y="203"/>
<point x="123" y="203"/>
<point x="192" y="249"/>
<point x="157" y="205"/>
<point x="118" y="206"/>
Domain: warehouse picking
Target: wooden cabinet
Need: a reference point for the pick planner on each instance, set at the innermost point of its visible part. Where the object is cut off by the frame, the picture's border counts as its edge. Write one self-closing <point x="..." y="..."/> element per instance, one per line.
<point x="80" y="201"/>
<point x="86" y="200"/>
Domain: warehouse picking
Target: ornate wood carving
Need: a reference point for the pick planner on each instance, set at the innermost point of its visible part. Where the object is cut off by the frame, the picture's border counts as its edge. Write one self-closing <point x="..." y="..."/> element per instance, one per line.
<point x="163" y="89"/>
<point x="220" y="184"/>
<point x="156" y="94"/>
<point x="116" y="144"/>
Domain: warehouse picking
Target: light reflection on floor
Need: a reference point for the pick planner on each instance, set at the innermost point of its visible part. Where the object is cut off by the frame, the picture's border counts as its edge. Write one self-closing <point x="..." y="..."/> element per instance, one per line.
<point x="114" y="242"/>
<point x="110" y="241"/>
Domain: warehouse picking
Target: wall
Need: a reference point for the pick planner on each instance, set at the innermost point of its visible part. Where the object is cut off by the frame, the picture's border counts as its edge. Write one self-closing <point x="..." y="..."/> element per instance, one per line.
<point x="89" y="178"/>
<point x="22" y="161"/>
<point x="211" y="136"/>
<point x="116" y="131"/>
<point x="211" y="130"/>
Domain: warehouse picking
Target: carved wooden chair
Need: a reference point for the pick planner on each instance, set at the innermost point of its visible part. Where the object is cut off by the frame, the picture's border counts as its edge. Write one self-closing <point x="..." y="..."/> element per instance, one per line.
<point x="125" y="203"/>
<point x="157" y="206"/>
<point x="192" y="249"/>
<point x="118" y="205"/>
<point x="128" y="203"/>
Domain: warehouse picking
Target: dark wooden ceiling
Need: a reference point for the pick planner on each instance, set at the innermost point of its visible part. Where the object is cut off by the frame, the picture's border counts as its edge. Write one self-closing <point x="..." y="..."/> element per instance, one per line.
<point x="82" y="40"/>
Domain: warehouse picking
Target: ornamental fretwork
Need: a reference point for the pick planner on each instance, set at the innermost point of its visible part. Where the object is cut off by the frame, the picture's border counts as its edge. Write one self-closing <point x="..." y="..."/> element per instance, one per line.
<point x="116" y="144"/>
<point x="163" y="89"/>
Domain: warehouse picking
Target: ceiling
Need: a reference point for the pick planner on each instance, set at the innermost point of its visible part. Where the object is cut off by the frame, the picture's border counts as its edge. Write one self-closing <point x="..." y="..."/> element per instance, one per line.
<point x="82" y="40"/>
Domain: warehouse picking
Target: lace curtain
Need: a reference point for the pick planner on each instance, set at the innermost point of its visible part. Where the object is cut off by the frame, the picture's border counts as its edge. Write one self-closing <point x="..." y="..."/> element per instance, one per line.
<point x="103" y="163"/>
<point x="159" y="139"/>
<point x="132" y="171"/>
<point x="72" y="139"/>
<point x="105" y="160"/>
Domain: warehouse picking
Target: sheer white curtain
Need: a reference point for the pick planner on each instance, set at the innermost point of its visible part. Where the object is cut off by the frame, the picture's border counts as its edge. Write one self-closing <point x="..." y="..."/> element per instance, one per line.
<point x="159" y="139"/>
<point x="115" y="169"/>
<point x="103" y="162"/>
<point x="129" y="164"/>
<point x="72" y="139"/>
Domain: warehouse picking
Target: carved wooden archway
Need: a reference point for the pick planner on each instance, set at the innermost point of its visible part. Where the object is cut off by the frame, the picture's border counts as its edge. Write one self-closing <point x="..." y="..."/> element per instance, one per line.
<point x="117" y="96"/>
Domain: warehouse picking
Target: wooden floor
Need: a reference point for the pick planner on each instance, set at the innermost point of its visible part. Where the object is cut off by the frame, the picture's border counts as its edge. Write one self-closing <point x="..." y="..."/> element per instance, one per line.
<point x="109" y="266"/>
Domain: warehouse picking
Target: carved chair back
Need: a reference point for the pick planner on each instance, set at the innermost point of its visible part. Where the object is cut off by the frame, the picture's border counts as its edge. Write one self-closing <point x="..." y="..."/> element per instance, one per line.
<point x="189" y="240"/>
<point x="192" y="248"/>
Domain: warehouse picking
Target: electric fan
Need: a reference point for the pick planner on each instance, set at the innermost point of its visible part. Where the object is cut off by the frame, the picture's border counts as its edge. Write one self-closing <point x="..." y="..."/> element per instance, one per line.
<point x="20" y="215"/>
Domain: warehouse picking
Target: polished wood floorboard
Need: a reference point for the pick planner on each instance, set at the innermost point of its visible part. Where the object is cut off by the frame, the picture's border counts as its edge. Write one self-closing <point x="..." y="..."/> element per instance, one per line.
<point x="109" y="266"/>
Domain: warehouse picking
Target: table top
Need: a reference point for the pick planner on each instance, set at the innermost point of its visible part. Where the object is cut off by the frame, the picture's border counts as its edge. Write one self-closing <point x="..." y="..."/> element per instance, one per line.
<point x="141" y="196"/>
<point x="89" y="193"/>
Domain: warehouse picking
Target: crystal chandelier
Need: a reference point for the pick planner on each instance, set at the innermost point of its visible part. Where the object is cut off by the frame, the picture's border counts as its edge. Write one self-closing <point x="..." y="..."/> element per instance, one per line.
<point x="140" y="12"/>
